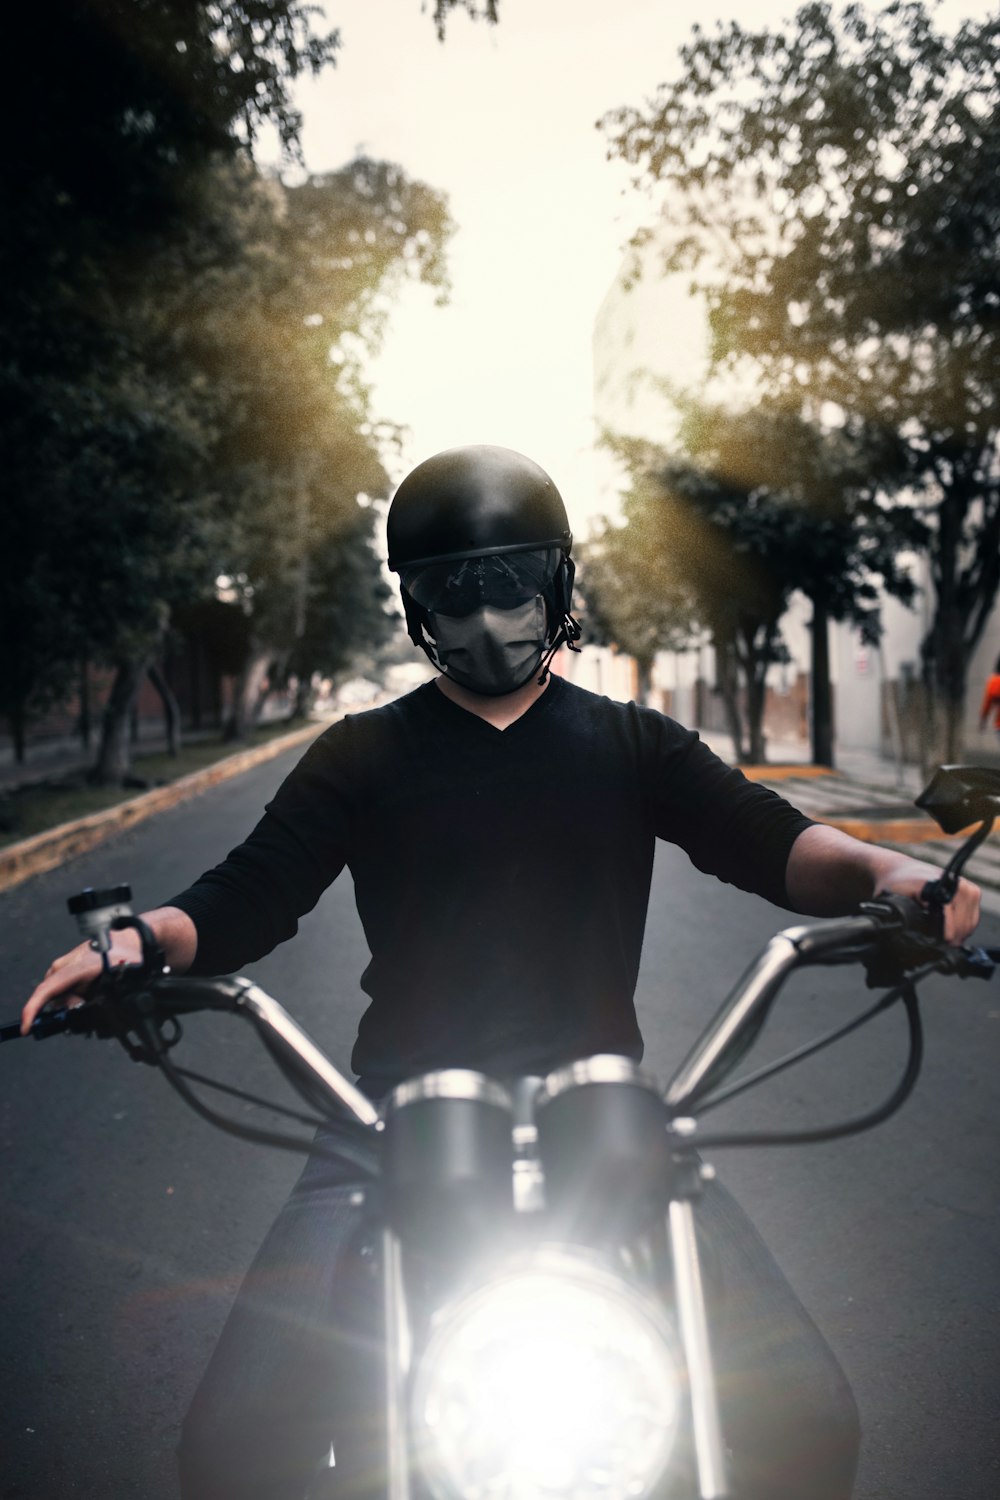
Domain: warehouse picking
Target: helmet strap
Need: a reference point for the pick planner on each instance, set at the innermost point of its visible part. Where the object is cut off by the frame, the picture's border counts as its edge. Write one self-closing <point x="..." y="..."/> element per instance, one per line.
<point x="568" y="635"/>
<point x="417" y="618"/>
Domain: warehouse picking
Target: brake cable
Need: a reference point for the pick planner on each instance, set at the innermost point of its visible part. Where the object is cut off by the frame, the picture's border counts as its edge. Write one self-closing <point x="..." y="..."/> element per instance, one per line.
<point x="346" y="1150"/>
<point x="235" y="1093"/>
<point x="905" y="992"/>
<point x="768" y="1070"/>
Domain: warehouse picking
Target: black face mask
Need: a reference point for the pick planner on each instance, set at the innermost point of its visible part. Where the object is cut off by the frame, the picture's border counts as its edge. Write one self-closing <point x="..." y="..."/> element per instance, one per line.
<point x="491" y="650"/>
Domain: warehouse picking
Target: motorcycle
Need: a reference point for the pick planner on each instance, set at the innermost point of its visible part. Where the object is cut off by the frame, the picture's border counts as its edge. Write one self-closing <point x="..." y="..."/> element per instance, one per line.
<point x="543" y="1281"/>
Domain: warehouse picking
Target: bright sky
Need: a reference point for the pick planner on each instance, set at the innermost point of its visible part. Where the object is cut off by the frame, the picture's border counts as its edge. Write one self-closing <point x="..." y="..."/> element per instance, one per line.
<point x="502" y="120"/>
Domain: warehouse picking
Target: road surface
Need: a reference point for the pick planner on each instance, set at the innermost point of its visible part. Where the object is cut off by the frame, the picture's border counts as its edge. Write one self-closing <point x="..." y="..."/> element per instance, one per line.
<point x="127" y="1221"/>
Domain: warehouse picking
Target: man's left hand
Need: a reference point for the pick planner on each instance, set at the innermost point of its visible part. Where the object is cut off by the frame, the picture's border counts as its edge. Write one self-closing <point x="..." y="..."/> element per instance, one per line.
<point x="960" y="915"/>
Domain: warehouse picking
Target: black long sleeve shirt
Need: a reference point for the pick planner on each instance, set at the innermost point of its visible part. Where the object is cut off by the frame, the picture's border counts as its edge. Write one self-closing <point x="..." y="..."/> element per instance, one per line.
<point x="502" y="877"/>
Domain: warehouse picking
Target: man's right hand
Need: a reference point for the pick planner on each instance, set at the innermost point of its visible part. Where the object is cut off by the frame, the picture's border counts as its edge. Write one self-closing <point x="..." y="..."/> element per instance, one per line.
<point x="68" y="978"/>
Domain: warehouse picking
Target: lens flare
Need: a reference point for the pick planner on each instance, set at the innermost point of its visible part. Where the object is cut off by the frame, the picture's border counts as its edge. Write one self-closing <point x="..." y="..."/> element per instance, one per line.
<point x="554" y="1381"/>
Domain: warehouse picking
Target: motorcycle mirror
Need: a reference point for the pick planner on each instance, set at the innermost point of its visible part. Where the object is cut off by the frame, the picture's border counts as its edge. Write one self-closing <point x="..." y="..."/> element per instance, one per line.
<point x="958" y="796"/>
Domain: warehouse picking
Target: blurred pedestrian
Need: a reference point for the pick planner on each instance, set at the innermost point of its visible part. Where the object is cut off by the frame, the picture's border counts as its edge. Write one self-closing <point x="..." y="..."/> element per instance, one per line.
<point x="991" y="699"/>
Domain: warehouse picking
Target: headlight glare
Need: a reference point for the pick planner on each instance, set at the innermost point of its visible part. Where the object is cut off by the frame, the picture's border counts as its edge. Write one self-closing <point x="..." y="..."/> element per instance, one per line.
<point x="554" y="1381"/>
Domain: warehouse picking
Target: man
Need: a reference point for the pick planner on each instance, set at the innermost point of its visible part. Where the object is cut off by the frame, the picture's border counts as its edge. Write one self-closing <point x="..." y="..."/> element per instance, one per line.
<point x="499" y="826"/>
<point x="991" y="699"/>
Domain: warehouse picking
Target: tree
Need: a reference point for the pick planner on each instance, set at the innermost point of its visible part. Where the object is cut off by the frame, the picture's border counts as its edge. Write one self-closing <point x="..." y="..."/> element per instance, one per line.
<point x="121" y="110"/>
<point x="692" y="556"/>
<point x="835" y="191"/>
<point x="144" y="420"/>
<point x="757" y="506"/>
<point x="89" y="567"/>
<point x="834" y="540"/>
<point x="488" y="10"/>
<point x="281" y="335"/>
<point x="628" y="577"/>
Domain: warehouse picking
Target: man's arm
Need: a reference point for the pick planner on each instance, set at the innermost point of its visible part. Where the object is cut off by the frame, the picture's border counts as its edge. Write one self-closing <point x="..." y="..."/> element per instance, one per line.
<point x="67" y="979"/>
<point x="828" y="873"/>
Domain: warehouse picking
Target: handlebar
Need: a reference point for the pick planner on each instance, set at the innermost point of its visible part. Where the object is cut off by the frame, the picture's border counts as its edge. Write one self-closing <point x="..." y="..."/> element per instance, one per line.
<point x="893" y="937"/>
<point x="127" y="999"/>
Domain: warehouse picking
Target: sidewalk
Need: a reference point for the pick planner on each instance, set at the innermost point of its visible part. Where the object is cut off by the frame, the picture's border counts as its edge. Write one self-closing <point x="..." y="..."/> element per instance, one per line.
<point x="47" y="850"/>
<point x="872" y="799"/>
<point x="66" y="758"/>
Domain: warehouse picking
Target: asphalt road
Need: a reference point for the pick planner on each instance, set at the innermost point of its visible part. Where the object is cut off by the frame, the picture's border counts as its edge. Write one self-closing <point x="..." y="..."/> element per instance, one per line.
<point x="127" y="1221"/>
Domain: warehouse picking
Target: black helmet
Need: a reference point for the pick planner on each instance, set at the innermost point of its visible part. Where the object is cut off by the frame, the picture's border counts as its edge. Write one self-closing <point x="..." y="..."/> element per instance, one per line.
<point x="472" y="502"/>
<point x="480" y="501"/>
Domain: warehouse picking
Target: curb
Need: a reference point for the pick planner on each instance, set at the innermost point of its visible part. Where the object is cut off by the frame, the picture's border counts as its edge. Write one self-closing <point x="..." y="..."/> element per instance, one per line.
<point x="18" y="862"/>
<point x="875" y="830"/>
<point x="887" y="830"/>
<point x="789" y="770"/>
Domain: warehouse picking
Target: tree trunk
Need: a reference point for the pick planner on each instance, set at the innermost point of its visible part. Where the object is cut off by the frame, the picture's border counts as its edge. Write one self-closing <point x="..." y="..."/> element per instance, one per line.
<point x="18" y="720"/>
<point x="728" y="683"/>
<point x="85" y="723"/>
<point x="755" y="663"/>
<point x="276" y="670"/>
<point x="943" y="649"/>
<point x="756" y="687"/>
<point x="171" y="708"/>
<point x="944" y="678"/>
<point x="304" y="696"/>
<point x="821" y="715"/>
<point x="644" y="677"/>
<point x="248" y="694"/>
<point x="114" y="757"/>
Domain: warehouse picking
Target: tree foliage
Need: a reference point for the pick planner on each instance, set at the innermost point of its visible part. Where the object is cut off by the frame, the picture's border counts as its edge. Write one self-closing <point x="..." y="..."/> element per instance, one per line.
<point x="181" y="341"/>
<point x="834" y="189"/>
<point x="281" y="335"/>
<point x="750" y="508"/>
<point x="121" y="110"/>
<point x="478" y="10"/>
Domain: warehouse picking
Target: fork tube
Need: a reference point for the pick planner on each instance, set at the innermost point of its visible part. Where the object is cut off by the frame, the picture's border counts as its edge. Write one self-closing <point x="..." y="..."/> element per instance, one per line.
<point x="397" y="1361"/>
<point x="709" y="1452"/>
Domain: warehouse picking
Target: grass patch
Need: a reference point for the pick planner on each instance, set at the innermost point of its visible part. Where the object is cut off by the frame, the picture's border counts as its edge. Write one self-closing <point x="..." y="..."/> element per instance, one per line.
<point x="35" y="808"/>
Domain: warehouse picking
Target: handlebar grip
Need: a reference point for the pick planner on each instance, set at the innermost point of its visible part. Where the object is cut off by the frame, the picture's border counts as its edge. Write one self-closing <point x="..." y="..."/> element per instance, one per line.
<point x="49" y="1023"/>
<point x="904" y="914"/>
<point x="912" y="935"/>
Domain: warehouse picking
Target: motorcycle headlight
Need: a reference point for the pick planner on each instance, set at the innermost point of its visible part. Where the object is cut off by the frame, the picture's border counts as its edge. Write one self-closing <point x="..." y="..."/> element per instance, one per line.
<point x="557" y="1380"/>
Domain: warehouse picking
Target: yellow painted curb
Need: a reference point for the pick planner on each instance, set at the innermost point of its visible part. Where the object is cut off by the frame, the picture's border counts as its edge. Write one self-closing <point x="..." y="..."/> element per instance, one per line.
<point x="787" y="771"/>
<point x="18" y="862"/>
<point x="886" y="830"/>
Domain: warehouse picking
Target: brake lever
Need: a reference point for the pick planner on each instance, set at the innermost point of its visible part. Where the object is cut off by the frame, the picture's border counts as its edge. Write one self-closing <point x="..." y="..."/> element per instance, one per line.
<point x="122" y="1010"/>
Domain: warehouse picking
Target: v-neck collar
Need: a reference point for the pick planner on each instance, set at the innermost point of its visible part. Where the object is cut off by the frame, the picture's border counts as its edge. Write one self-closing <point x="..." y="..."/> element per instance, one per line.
<point x="474" y="724"/>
